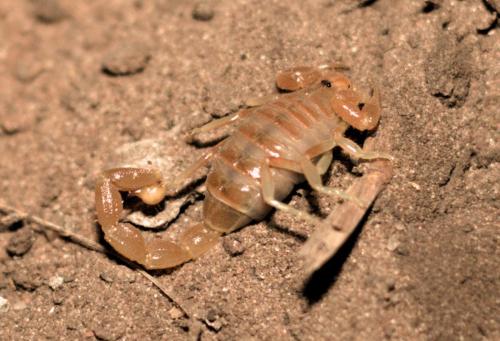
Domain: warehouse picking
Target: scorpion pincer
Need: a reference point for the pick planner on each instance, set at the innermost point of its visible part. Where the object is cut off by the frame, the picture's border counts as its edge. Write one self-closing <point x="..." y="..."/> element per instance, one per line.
<point x="275" y="145"/>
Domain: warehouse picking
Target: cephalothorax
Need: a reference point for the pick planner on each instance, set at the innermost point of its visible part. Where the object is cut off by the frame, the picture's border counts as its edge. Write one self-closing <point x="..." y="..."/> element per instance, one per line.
<point x="276" y="144"/>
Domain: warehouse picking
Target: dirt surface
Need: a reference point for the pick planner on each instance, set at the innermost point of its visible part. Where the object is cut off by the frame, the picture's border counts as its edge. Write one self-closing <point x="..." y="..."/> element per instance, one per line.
<point x="80" y="80"/>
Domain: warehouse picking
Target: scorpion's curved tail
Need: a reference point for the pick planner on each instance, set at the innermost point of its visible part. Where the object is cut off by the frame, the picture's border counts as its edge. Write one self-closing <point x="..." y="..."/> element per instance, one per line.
<point x="127" y="240"/>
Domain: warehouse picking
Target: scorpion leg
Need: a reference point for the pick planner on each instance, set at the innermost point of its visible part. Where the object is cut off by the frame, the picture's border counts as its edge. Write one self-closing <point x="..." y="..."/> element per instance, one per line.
<point x="267" y="184"/>
<point x="356" y="152"/>
<point x="126" y="239"/>
<point x="312" y="174"/>
<point x="221" y="122"/>
<point x="324" y="162"/>
<point x="313" y="177"/>
<point x="261" y="100"/>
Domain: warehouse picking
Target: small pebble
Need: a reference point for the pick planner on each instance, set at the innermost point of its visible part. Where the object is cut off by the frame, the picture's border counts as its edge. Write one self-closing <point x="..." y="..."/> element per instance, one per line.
<point x="203" y="11"/>
<point x="125" y="275"/>
<point x="19" y="306"/>
<point x="48" y="11"/>
<point x="4" y="281"/>
<point x="402" y="250"/>
<point x="21" y="242"/>
<point x="211" y="315"/>
<point x="213" y="320"/>
<point x="126" y="59"/>
<point x="58" y="298"/>
<point x="106" y="277"/>
<point x="108" y="328"/>
<point x="25" y="280"/>
<point x="215" y="326"/>
<point x="73" y="323"/>
<point x="175" y="313"/>
<point x="55" y="282"/>
<point x="27" y="70"/>
<point x="4" y="305"/>
<point x="399" y="226"/>
<point x="392" y="243"/>
<point x="233" y="246"/>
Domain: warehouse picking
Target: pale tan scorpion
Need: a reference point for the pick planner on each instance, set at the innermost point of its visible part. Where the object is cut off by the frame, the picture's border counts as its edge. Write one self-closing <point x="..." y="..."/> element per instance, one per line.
<point x="275" y="145"/>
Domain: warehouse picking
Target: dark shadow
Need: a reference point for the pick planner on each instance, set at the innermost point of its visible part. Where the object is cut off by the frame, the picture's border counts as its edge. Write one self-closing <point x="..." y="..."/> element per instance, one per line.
<point x="490" y="7"/>
<point x="430" y="6"/>
<point x="297" y="235"/>
<point x="195" y="142"/>
<point x="493" y="25"/>
<point x="312" y="200"/>
<point x="323" y="279"/>
<point x="366" y="3"/>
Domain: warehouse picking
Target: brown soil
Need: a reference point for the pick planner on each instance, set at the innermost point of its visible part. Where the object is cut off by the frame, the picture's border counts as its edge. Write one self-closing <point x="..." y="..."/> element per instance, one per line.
<point x="80" y="79"/>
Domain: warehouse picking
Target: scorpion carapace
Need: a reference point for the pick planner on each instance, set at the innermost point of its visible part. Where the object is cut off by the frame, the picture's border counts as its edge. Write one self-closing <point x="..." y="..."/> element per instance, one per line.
<point x="280" y="142"/>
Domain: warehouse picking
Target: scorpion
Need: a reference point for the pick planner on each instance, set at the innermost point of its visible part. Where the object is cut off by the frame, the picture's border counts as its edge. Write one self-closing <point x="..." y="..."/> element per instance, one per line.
<point x="278" y="142"/>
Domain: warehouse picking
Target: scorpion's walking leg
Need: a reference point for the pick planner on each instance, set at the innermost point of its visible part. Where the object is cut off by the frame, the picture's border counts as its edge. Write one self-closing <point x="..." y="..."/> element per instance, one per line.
<point x="268" y="186"/>
<point x="148" y="185"/>
<point x="313" y="176"/>
<point x="356" y="152"/>
<point x="221" y="122"/>
<point x="268" y="183"/>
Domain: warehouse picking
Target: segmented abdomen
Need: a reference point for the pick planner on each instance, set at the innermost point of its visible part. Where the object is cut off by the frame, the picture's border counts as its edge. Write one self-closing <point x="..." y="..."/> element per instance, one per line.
<point x="285" y="128"/>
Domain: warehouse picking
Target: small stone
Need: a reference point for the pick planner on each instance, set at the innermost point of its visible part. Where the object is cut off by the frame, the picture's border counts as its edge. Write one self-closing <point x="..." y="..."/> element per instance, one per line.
<point x="55" y="282"/>
<point x="467" y="228"/>
<point x="26" y="280"/>
<point x="215" y="326"/>
<point x="126" y="59"/>
<point x="27" y="70"/>
<point x="233" y="246"/>
<point x="106" y="277"/>
<point x="392" y="243"/>
<point x="58" y="298"/>
<point x="48" y="11"/>
<point x="21" y="242"/>
<point x="203" y="11"/>
<point x="402" y="250"/>
<point x="175" y="313"/>
<point x="124" y="275"/>
<point x="211" y="315"/>
<point x="4" y="305"/>
<point x="4" y="281"/>
<point x="400" y="226"/>
<point x="72" y="323"/>
<point x="107" y="329"/>
<point x="19" y="306"/>
<point x="213" y="320"/>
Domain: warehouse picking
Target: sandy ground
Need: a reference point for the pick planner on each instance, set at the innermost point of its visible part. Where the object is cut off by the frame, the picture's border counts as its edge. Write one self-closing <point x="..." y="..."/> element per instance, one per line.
<point x="81" y="80"/>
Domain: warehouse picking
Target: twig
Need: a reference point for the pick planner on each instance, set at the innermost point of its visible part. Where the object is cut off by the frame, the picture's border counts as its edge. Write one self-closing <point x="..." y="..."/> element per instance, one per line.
<point x="87" y="243"/>
<point x="61" y="231"/>
<point x="164" y="291"/>
<point x="339" y="225"/>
